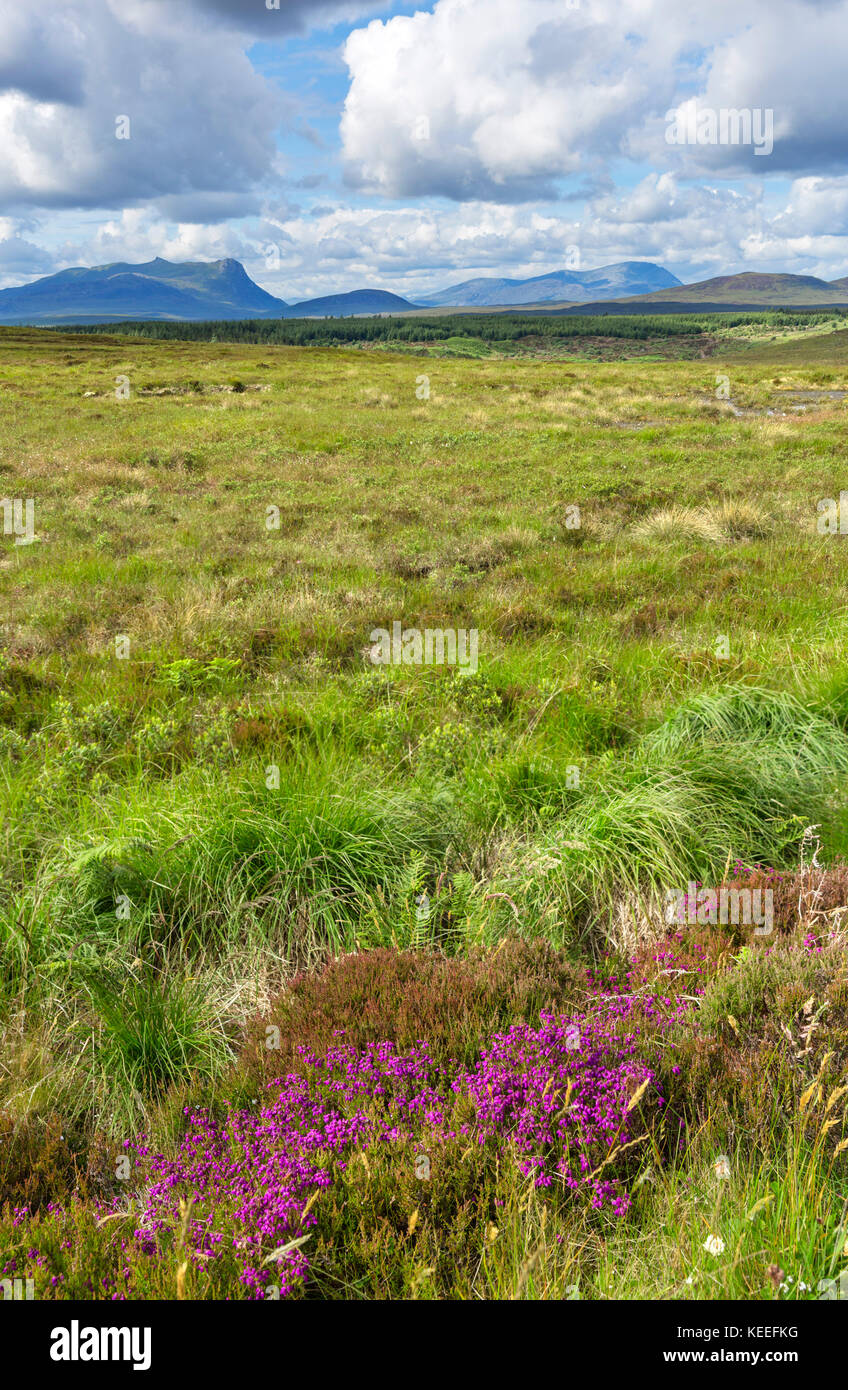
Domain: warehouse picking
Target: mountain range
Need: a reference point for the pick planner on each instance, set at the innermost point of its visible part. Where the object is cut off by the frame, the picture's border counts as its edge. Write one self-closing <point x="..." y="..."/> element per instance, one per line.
<point x="162" y="289"/>
<point x="575" y="286"/>
<point x="212" y="290"/>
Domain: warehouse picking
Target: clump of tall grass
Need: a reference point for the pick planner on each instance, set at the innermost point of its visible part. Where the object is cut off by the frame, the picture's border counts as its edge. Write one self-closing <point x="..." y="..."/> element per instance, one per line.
<point x="328" y="861"/>
<point x="303" y="867"/>
<point x="733" y="772"/>
<point x="156" y="1030"/>
<point x="726" y="520"/>
<point x="752" y="714"/>
<point x="741" y="520"/>
<point x="679" y="523"/>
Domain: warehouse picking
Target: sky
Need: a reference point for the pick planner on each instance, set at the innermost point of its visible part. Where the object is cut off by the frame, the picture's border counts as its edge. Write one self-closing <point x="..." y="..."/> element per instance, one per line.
<point x="335" y="144"/>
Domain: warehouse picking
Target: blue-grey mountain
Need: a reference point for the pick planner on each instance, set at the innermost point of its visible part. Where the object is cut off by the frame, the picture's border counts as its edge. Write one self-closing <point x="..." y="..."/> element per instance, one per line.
<point x="161" y="289"/>
<point x="356" y="302"/>
<point x="558" y="286"/>
<point x="213" y="290"/>
<point x="158" y="289"/>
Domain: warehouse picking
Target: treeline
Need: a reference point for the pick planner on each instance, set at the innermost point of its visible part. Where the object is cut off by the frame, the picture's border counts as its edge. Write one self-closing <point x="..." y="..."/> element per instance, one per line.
<point x="490" y="328"/>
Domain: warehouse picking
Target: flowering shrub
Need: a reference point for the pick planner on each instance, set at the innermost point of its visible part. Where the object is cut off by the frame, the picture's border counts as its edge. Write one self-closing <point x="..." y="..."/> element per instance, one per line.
<point x="357" y="1157"/>
<point x="455" y="1002"/>
<point x="563" y="1095"/>
<point x="566" y="1097"/>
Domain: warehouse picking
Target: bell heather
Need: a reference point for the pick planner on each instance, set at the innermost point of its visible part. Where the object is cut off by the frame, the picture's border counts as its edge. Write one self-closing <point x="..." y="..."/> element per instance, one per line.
<point x="560" y="1096"/>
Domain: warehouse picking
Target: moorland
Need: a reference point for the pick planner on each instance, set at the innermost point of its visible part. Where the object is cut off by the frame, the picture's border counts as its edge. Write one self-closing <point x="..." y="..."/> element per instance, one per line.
<point x="327" y="979"/>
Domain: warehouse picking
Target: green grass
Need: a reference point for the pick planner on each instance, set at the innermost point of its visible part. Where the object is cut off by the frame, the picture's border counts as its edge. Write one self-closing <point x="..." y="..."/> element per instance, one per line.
<point x="242" y="795"/>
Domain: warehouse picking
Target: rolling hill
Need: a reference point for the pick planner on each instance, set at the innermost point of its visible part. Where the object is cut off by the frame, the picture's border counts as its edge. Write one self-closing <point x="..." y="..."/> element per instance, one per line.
<point x="355" y="302"/>
<point x="749" y="290"/>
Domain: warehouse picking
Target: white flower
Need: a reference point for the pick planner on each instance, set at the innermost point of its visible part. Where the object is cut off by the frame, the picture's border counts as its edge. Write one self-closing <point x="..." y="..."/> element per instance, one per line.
<point x="714" y="1245"/>
<point x="721" y="1167"/>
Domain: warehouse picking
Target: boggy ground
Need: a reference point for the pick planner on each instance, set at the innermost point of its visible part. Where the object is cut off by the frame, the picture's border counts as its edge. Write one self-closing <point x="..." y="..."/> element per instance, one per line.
<point x="227" y="836"/>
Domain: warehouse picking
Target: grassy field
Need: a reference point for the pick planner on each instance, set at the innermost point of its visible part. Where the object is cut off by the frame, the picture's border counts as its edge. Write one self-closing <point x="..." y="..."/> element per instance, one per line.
<point x="279" y="923"/>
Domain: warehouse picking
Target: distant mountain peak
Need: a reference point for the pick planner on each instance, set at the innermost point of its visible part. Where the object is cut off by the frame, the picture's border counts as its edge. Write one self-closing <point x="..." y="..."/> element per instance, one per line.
<point x="157" y="289"/>
<point x="557" y="286"/>
<point x="222" y="289"/>
<point x="161" y="289"/>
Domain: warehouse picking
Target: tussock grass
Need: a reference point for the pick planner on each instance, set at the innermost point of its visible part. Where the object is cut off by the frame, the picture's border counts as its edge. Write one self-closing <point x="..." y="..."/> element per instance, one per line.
<point x="299" y="867"/>
<point x="155" y="1032"/>
<point x="730" y="519"/>
<point x="742" y="520"/>
<point x="159" y="892"/>
<point x="680" y="523"/>
<point x="730" y="773"/>
<point x="778" y="734"/>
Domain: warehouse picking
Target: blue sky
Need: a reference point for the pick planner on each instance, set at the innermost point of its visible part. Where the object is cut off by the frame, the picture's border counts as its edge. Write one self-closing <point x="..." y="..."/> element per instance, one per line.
<point x="331" y="144"/>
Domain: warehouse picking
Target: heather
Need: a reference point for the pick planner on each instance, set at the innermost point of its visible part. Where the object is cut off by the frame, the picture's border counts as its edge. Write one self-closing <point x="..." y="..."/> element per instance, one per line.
<point x="276" y="925"/>
<point x="305" y="1178"/>
<point x="560" y="1095"/>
